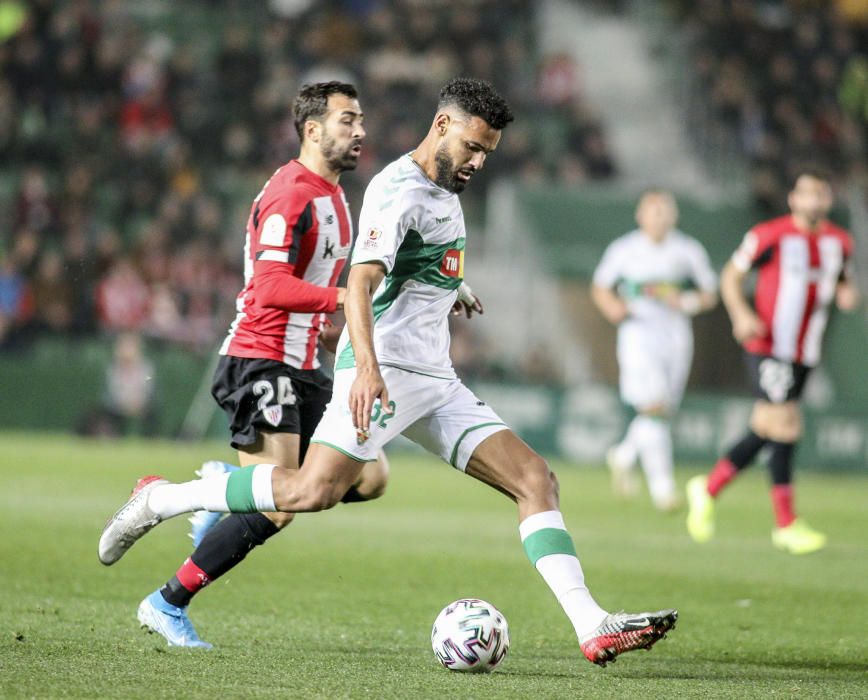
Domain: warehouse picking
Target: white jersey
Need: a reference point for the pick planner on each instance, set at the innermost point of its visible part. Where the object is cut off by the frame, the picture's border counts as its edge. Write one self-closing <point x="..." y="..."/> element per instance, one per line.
<point x="416" y="230"/>
<point x="641" y="271"/>
<point x="655" y="342"/>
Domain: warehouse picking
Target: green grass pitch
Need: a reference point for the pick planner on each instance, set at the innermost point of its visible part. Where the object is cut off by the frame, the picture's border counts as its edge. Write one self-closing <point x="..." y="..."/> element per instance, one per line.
<point x="341" y="604"/>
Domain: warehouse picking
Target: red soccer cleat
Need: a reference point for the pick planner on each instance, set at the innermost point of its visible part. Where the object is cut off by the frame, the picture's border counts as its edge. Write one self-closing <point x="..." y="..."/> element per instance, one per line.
<point x="620" y="632"/>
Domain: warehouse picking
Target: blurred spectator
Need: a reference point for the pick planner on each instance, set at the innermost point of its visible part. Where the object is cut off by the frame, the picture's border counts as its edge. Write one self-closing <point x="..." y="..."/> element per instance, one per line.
<point x="131" y="154"/>
<point x="128" y="400"/>
<point x="16" y="303"/>
<point x="787" y="77"/>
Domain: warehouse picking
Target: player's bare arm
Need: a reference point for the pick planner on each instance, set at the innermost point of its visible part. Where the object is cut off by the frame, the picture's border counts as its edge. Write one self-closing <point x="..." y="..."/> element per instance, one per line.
<point x="609" y="303"/>
<point x="745" y="323"/>
<point x="368" y="385"/>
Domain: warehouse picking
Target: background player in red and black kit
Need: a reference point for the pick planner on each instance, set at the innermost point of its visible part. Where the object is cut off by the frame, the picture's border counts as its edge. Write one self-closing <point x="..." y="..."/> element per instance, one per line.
<point x="268" y="379"/>
<point x="803" y="264"/>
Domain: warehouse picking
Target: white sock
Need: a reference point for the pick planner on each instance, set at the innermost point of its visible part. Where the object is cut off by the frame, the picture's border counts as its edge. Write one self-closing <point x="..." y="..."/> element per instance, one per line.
<point x="655" y="453"/>
<point x="550" y="548"/>
<point x="627" y="451"/>
<point x="252" y="485"/>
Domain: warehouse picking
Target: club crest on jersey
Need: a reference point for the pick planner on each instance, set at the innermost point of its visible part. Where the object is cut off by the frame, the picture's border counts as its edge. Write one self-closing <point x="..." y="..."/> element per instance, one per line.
<point x="452" y="264"/>
<point x="372" y="240"/>
<point x="273" y="414"/>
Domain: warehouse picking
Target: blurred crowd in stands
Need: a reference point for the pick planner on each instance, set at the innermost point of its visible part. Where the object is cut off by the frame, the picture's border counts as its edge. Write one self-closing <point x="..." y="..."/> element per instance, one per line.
<point x="788" y="79"/>
<point x="135" y="135"/>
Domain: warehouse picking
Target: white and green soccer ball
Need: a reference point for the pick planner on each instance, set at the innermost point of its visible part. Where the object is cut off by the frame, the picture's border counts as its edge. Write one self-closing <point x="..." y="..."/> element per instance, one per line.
<point x="470" y="635"/>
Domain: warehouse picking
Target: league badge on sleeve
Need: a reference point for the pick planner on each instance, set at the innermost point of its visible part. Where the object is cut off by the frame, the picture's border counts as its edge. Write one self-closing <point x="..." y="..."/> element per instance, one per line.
<point x="372" y="239"/>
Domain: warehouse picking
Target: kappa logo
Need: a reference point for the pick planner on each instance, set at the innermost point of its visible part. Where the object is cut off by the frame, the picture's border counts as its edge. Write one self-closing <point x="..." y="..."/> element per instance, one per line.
<point x="273" y="414"/>
<point x="329" y="249"/>
<point x="452" y="264"/>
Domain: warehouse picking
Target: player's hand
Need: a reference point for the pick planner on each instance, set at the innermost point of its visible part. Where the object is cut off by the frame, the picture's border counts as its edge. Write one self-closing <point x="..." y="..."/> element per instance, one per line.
<point x="847" y="296"/>
<point x="747" y="325"/>
<point x="342" y="295"/>
<point x="617" y="312"/>
<point x="467" y="302"/>
<point x="329" y="335"/>
<point x="367" y="387"/>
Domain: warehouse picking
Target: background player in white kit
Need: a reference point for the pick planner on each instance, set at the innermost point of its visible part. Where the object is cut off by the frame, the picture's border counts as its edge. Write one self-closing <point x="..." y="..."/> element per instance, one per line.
<point x="393" y="375"/>
<point x="649" y="283"/>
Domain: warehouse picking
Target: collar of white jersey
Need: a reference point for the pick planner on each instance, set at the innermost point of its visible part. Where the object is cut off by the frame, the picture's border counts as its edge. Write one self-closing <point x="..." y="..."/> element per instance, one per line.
<point x="425" y="175"/>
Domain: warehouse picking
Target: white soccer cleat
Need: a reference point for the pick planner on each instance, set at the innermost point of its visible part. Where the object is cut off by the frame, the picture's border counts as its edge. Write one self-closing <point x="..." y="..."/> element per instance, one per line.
<point x="203" y="520"/>
<point x="169" y="621"/>
<point x="133" y="520"/>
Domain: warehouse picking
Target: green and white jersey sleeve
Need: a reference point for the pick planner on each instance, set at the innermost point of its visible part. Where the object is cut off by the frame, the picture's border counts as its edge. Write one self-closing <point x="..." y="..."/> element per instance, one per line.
<point x="416" y="230"/>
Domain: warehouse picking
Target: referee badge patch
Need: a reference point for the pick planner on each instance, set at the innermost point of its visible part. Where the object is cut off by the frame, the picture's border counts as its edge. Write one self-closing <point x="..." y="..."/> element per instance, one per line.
<point x="273" y="414"/>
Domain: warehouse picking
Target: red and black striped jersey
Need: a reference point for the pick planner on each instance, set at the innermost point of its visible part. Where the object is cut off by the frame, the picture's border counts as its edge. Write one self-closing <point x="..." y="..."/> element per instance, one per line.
<point x="297" y="242"/>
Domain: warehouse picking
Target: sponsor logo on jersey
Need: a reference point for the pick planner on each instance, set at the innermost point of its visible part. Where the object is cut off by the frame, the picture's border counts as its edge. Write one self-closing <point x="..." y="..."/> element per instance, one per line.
<point x="273" y="414"/>
<point x="452" y="264"/>
<point x="330" y="251"/>
<point x="372" y="239"/>
<point x="442" y="220"/>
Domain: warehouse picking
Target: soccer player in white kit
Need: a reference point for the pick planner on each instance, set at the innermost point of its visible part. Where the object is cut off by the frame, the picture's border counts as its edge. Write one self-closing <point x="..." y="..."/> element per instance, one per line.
<point x="393" y="376"/>
<point x="649" y="283"/>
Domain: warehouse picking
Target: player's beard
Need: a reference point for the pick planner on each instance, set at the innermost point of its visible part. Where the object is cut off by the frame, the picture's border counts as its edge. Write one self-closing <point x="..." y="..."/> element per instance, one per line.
<point x="447" y="174"/>
<point x="339" y="160"/>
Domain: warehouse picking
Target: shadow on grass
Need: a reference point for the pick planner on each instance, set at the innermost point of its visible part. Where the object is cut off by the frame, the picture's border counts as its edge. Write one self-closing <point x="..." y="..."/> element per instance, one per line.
<point x="745" y="669"/>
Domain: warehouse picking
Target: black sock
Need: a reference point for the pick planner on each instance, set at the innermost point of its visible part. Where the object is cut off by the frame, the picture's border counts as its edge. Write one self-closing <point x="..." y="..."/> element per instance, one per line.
<point x="781" y="462"/>
<point x="224" y="547"/>
<point x="745" y="450"/>
<point x="353" y="496"/>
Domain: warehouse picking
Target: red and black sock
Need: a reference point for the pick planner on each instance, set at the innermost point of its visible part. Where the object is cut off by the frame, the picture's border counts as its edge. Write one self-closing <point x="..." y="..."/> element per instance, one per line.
<point x="224" y="547"/>
<point x="781" y="469"/>
<point x="740" y="456"/>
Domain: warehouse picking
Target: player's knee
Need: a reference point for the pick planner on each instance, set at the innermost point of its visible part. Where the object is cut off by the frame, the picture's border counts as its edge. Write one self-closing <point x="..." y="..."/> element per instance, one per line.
<point x="656" y="410"/>
<point x="537" y="478"/>
<point x="373" y="479"/>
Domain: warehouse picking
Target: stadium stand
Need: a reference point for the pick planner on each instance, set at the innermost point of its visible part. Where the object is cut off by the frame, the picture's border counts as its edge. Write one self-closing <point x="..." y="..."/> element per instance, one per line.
<point x="133" y="145"/>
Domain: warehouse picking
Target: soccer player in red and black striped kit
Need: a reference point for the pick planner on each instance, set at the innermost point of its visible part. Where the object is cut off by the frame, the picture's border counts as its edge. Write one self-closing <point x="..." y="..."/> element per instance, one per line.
<point x="803" y="264"/>
<point x="268" y="380"/>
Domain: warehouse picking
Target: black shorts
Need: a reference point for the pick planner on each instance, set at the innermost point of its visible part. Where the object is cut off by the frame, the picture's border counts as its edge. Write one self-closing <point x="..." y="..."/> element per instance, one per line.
<point x="776" y="381"/>
<point x="266" y="396"/>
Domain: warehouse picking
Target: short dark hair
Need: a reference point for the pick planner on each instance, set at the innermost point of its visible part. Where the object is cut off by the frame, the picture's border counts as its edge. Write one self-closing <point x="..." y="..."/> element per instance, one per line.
<point x="477" y="98"/>
<point x="313" y="99"/>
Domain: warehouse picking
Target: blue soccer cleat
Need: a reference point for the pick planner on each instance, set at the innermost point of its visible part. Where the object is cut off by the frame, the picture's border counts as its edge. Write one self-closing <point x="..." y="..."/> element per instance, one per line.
<point x="203" y="520"/>
<point x="169" y="621"/>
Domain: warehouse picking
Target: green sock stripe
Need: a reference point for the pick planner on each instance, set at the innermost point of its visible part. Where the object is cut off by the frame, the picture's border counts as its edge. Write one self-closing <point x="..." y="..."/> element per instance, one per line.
<point x="239" y="491"/>
<point x="549" y="540"/>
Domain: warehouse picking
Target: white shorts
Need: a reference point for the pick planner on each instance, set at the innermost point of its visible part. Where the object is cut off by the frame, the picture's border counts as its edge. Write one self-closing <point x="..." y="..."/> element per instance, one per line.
<point x="653" y="368"/>
<point x="441" y="415"/>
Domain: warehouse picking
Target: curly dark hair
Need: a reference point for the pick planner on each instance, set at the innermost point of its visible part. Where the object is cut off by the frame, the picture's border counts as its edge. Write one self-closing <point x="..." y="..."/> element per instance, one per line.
<point x="312" y="102"/>
<point x="478" y="98"/>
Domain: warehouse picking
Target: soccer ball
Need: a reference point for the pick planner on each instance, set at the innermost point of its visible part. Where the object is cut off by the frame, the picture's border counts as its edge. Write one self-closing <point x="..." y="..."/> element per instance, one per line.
<point x="470" y="635"/>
